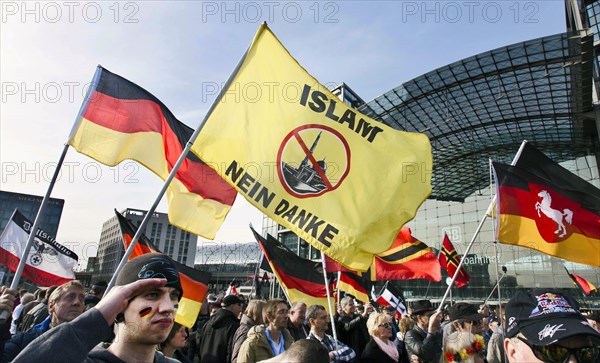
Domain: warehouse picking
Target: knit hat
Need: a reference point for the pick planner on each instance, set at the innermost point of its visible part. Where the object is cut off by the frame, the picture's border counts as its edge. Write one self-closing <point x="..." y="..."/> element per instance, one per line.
<point x="545" y="316"/>
<point x="147" y="266"/>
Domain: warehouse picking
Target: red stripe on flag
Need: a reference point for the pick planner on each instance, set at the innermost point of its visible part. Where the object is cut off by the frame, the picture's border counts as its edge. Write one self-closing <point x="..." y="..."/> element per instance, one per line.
<point x="34" y="274"/>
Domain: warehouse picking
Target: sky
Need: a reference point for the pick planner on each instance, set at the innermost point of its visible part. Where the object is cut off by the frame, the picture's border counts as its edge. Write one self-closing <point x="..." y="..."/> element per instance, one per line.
<point x="183" y="51"/>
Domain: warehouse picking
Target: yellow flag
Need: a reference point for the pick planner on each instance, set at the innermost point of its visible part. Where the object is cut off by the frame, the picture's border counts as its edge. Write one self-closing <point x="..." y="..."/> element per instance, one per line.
<point x="343" y="182"/>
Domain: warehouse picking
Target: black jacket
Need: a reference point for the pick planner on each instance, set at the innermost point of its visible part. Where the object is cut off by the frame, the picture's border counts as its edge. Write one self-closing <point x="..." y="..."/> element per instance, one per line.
<point x="352" y="331"/>
<point x="428" y="347"/>
<point x="374" y="354"/>
<point x="217" y="337"/>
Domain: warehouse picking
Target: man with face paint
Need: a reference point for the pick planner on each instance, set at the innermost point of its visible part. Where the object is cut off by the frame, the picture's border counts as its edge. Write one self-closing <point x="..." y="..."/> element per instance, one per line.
<point x="142" y="306"/>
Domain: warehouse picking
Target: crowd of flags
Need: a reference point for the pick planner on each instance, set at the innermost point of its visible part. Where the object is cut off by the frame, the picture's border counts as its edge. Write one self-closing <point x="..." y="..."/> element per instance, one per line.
<point x="540" y="205"/>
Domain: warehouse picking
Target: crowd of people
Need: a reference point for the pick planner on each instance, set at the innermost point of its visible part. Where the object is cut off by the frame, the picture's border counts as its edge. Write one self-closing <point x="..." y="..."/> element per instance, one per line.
<point x="135" y="322"/>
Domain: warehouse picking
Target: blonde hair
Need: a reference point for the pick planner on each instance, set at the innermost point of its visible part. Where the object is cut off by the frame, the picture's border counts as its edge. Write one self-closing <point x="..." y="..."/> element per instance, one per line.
<point x="58" y="292"/>
<point x="376" y="319"/>
<point x="254" y="310"/>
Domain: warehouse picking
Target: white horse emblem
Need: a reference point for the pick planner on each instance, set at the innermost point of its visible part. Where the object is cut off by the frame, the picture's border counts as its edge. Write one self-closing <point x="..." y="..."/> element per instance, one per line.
<point x="554" y="214"/>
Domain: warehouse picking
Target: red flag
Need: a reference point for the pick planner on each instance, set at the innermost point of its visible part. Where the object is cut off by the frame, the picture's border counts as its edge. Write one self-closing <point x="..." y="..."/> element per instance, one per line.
<point x="449" y="260"/>
<point x="582" y="283"/>
<point x="408" y="259"/>
<point x="194" y="282"/>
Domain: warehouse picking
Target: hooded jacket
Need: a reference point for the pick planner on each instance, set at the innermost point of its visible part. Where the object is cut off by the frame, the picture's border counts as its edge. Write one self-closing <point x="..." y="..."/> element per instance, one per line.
<point x="240" y="336"/>
<point x="256" y="347"/>
<point x="216" y="345"/>
<point x="76" y="341"/>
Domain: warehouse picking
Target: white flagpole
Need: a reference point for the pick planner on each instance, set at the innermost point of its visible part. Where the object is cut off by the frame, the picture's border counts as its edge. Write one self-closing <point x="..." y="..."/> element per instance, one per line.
<point x="174" y="170"/>
<point x="324" y="264"/>
<point x="488" y="211"/>
<point x="17" y="277"/>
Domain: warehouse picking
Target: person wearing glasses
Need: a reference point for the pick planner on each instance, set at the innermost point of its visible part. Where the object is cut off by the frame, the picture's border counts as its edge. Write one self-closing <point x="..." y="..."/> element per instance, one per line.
<point x="546" y="326"/>
<point x="465" y="318"/>
<point x="380" y="349"/>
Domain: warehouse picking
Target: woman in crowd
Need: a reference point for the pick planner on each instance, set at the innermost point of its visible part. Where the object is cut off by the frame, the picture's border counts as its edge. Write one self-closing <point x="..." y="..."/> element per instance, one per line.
<point x="380" y="349"/>
<point x="464" y="347"/>
<point x="175" y="341"/>
<point x="253" y="315"/>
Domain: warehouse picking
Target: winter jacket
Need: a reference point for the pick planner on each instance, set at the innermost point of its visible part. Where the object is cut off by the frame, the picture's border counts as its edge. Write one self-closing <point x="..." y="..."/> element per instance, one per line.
<point x="352" y="331"/>
<point x="240" y="335"/>
<point x="76" y="341"/>
<point x="373" y="354"/>
<point x="216" y="345"/>
<point x="14" y="346"/>
<point x="256" y="347"/>
<point x="428" y="347"/>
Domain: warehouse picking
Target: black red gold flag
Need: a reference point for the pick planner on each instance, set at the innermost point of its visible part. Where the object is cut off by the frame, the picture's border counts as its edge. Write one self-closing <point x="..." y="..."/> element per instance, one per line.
<point x="586" y="286"/>
<point x="194" y="282"/>
<point x="354" y="285"/>
<point x="120" y="120"/>
<point x="545" y="207"/>
<point x="301" y="278"/>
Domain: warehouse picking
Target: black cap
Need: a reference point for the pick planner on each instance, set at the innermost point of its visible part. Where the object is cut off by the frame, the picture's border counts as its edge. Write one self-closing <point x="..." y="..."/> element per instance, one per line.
<point x="230" y="300"/>
<point x="421" y="306"/>
<point x="147" y="266"/>
<point x="545" y="317"/>
<point x="464" y="311"/>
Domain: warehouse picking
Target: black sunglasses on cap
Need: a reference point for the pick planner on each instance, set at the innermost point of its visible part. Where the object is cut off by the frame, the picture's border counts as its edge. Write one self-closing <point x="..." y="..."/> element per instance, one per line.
<point x="554" y="353"/>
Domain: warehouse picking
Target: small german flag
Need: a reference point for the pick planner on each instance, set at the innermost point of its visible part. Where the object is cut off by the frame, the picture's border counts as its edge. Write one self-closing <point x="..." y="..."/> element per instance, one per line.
<point x="582" y="283"/>
<point x="194" y="282"/>
<point x="120" y="120"/>
<point x="301" y="278"/>
<point x="354" y="285"/>
<point x="545" y="207"/>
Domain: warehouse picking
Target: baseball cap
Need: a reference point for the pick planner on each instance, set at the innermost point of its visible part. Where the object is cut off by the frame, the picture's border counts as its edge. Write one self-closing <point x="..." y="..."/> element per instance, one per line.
<point x="464" y="311"/>
<point x="546" y="316"/>
<point x="147" y="266"/>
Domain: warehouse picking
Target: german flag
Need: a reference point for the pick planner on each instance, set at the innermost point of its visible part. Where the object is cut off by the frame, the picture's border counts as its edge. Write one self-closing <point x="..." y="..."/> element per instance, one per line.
<point x="450" y="260"/>
<point x="408" y="258"/>
<point x="583" y="284"/>
<point x="302" y="279"/>
<point x="194" y="282"/>
<point x="544" y="207"/>
<point x="120" y="120"/>
<point x="354" y="285"/>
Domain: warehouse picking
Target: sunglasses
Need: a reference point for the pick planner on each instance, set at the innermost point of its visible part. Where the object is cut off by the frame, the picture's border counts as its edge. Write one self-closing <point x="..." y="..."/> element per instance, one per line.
<point x="555" y="353"/>
<point x="385" y="325"/>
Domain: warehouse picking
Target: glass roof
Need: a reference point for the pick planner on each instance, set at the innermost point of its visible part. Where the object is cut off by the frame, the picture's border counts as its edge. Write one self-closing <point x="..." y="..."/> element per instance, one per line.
<point x="484" y="106"/>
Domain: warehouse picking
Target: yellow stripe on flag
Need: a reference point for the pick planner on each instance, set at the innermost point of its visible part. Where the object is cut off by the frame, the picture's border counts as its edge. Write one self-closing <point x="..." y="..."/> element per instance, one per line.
<point x="523" y="232"/>
<point x="343" y="182"/>
<point x="188" y="211"/>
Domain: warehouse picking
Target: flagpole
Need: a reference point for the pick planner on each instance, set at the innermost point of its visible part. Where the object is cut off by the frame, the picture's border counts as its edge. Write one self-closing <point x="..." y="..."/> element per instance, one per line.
<point x="17" y="277"/>
<point x="174" y="170"/>
<point x="496" y="286"/>
<point x="477" y="230"/>
<point x="324" y="264"/>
